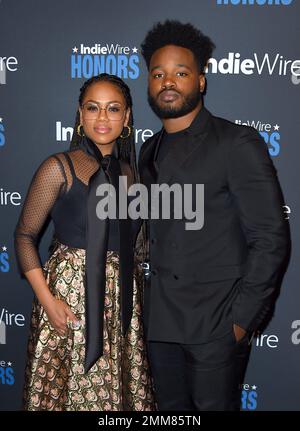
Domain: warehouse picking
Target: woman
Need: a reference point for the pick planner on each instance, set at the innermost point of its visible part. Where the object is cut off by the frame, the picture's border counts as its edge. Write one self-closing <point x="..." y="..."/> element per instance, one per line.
<point x="86" y="349"/>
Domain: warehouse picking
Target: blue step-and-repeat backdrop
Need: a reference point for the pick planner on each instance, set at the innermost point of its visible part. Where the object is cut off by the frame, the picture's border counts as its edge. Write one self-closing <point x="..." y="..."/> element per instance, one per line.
<point x="49" y="47"/>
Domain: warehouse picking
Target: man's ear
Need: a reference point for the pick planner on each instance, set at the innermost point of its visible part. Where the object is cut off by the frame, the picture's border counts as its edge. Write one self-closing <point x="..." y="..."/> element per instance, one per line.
<point x="202" y="82"/>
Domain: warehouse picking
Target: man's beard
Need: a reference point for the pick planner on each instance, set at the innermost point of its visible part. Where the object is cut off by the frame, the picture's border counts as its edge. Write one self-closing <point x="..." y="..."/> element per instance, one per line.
<point x="190" y="102"/>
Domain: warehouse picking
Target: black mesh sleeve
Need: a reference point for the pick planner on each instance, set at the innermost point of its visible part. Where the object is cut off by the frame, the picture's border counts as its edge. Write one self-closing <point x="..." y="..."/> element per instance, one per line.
<point x="46" y="186"/>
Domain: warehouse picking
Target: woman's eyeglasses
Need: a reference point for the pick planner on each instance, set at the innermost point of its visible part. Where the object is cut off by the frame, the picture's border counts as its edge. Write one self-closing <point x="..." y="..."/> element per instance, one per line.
<point x="114" y="111"/>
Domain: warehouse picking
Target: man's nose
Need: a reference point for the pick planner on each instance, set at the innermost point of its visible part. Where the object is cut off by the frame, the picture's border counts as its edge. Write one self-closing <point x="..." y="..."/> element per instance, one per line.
<point x="168" y="82"/>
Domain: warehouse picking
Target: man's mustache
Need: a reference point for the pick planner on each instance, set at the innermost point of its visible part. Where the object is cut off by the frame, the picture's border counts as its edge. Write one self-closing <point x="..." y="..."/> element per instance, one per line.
<point x="168" y="89"/>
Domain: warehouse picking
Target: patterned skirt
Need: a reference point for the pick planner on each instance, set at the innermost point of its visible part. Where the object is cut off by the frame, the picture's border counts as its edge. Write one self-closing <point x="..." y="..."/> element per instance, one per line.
<point x="54" y="378"/>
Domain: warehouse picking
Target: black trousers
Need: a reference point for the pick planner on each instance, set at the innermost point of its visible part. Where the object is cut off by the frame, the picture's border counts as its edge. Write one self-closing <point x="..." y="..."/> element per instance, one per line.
<point x="199" y="377"/>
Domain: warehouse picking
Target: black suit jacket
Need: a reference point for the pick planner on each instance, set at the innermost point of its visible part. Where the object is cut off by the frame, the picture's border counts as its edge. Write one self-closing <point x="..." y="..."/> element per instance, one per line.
<point x="203" y="281"/>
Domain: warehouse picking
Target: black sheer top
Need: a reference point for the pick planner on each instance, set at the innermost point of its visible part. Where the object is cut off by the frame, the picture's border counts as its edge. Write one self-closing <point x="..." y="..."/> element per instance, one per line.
<point x="59" y="189"/>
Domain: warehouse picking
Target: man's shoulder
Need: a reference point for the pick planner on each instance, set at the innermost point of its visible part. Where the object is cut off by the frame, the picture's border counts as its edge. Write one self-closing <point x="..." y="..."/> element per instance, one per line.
<point x="148" y="142"/>
<point x="152" y="138"/>
<point x="229" y="129"/>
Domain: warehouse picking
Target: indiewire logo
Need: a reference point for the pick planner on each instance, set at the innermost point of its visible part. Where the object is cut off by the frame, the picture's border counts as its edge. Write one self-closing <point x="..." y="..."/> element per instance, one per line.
<point x="115" y="59"/>
<point x="7" y="63"/>
<point x="272" y="65"/>
<point x="4" y="260"/>
<point x="267" y="341"/>
<point x="2" y="130"/>
<point x="9" y="198"/>
<point x="9" y="319"/>
<point x="254" y="2"/>
<point x="2" y="333"/>
<point x="269" y="132"/>
<point x="6" y="373"/>
<point x="249" y="397"/>
<point x="65" y="133"/>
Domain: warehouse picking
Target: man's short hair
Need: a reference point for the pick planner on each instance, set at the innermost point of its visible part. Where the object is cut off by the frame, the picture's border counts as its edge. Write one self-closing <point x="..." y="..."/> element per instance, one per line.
<point x="176" y="33"/>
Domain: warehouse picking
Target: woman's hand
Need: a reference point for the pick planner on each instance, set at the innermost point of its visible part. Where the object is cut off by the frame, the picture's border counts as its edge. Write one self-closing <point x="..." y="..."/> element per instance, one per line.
<point x="59" y="313"/>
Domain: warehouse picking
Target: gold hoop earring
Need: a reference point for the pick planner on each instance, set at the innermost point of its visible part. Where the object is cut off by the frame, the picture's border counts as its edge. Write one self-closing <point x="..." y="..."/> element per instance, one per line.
<point x="79" y="131"/>
<point x="128" y="134"/>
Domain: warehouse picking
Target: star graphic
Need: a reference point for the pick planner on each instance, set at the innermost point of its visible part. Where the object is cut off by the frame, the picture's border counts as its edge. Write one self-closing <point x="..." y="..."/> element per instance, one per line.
<point x="1" y="120"/>
<point x="276" y="127"/>
<point x="4" y="248"/>
<point x="9" y="364"/>
<point x="254" y="387"/>
<point x="75" y="49"/>
<point x="134" y="50"/>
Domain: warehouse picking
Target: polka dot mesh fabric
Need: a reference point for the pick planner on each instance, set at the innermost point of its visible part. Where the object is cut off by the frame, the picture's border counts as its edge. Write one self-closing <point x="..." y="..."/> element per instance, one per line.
<point x="51" y="181"/>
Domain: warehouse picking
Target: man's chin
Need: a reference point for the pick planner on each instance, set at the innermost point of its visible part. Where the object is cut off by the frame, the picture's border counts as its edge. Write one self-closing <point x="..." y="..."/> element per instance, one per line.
<point x="170" y="114"/>
<point x="164" y="112"/>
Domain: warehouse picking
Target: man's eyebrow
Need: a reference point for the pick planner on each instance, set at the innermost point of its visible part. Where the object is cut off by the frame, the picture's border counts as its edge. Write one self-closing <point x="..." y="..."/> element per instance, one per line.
<point x="155" y="67"/>
<point x="184" y="65"/>
<point x="159" y="66"/>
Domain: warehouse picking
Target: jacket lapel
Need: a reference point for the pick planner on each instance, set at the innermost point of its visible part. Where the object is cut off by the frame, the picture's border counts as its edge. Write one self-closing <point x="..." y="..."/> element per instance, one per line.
<point x="148" y="167"/>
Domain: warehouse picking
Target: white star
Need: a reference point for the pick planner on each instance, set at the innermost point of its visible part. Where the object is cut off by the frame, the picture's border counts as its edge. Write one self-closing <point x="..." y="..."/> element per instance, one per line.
<point x="9" y="364"/>
<point x="134" y="50"/>
<point x="1" y="120"/>
<point x="276" y="127"/>
<point x="4" y="248"/>
<point x="75" y="49"/>
<point x="254" y="387"/>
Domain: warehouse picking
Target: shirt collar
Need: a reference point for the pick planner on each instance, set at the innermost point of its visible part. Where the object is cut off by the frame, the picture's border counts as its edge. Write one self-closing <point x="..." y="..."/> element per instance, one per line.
<point x="197" y="126"/>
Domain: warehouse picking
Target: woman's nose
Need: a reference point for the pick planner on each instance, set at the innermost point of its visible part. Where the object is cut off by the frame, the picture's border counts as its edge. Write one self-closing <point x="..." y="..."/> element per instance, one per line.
<point x="102" y="114"/>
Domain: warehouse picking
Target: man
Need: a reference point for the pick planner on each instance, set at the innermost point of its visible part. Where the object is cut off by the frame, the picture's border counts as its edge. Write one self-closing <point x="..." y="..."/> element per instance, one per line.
<point x="210" y="288"/>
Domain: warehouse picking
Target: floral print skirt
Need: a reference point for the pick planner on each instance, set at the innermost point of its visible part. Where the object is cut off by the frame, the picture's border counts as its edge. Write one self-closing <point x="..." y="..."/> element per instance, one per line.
<point x="54" y="379"/>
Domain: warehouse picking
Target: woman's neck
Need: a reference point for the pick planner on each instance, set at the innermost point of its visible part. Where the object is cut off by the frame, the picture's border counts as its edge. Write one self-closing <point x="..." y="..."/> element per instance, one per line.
<point x="105" y="149"/>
